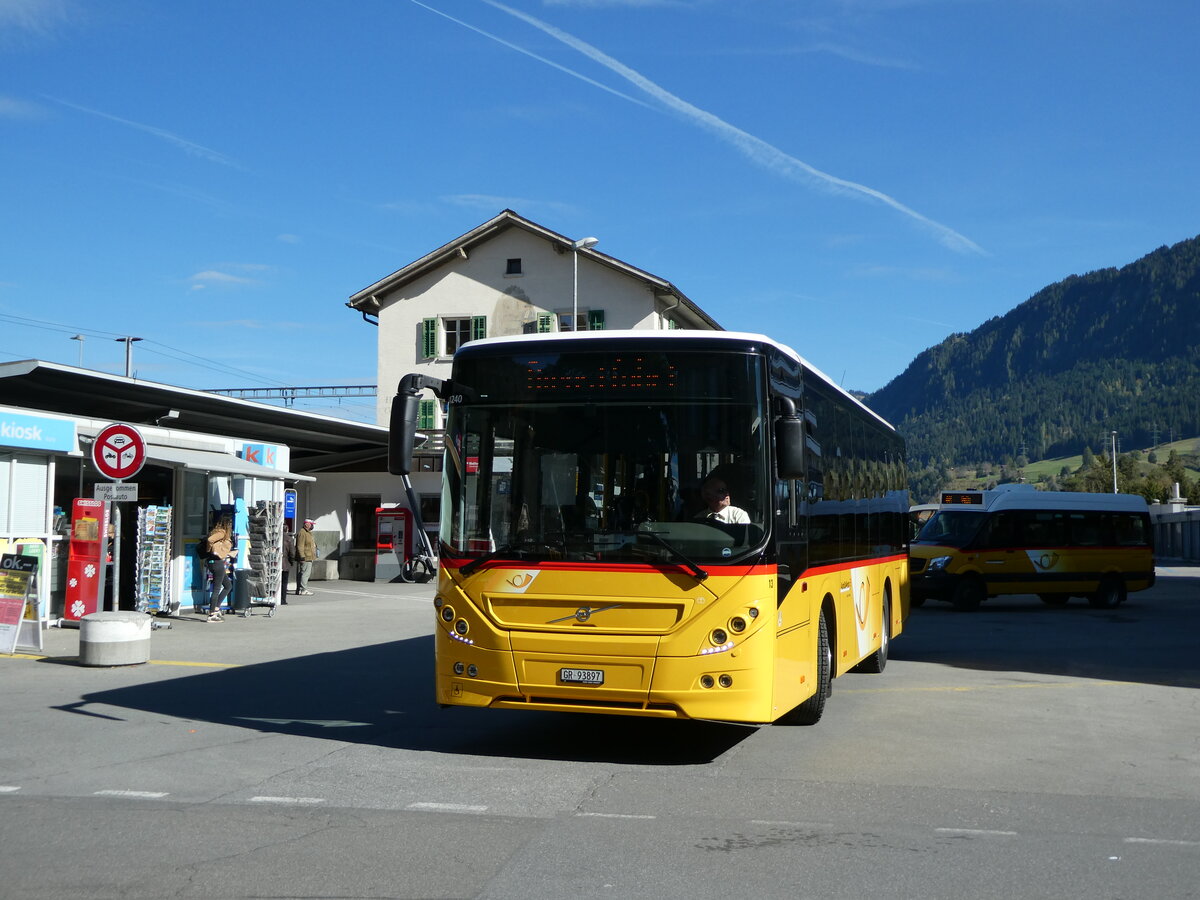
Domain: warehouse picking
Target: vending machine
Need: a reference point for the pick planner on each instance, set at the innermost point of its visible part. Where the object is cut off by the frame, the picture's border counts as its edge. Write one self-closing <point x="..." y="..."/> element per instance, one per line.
<point x="86" y="558"/>
<point x="393" y="541"/>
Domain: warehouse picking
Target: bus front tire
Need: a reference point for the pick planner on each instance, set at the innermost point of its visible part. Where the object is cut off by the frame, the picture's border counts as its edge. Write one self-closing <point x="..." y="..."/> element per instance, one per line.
<point x="968" y="594"/>
<point x="1110" y="593"/>
<point x="809" y="712"/>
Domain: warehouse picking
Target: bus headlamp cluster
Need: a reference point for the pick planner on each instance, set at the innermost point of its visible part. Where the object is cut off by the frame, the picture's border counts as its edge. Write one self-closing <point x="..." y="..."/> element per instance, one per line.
<point x="471" y="670"/>
<point x="707" y="681"/>
<point x="938" y="563"/>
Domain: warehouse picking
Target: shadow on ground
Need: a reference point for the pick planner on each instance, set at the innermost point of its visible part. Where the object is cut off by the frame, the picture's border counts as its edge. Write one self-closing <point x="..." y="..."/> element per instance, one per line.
<point x="383" y="695"/>
<point x="1149" y="639"/>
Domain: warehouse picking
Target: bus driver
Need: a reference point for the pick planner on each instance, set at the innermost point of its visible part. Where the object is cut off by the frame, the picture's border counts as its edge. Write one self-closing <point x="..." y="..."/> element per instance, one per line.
<point x="715" y="494"/>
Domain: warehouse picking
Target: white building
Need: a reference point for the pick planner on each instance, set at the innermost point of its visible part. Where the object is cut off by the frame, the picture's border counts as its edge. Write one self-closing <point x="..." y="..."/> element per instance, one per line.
<point x="507" y="276"/>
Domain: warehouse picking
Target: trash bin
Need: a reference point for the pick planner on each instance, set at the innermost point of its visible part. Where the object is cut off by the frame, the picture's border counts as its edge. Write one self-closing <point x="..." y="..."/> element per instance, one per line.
<point x="241" y="591"/>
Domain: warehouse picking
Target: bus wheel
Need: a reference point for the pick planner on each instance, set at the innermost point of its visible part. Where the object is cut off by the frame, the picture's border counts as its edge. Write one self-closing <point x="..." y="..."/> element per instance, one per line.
<point x="968" y="594"/>
<point x="874" y="663"/>
<point x="1054" y="599"/>
<point x="1109" y="594"/>
<point x="809" y="712"/>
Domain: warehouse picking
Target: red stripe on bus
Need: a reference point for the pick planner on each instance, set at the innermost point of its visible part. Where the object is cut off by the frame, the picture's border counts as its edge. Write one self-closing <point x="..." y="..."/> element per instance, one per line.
<point x="642" y="568"/>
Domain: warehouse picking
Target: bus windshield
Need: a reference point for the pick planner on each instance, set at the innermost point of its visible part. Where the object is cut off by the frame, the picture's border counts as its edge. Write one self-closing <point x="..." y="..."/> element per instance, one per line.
<point x="605" y="469"/>
<point x="951" y="528"/>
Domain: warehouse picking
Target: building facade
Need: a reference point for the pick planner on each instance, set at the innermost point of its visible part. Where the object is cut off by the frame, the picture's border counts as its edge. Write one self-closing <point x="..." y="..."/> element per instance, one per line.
<point x="508" y="276"/>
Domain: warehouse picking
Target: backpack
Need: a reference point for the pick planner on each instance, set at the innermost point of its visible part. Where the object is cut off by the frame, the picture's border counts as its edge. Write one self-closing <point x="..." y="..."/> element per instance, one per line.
<point x="202" y="548"/>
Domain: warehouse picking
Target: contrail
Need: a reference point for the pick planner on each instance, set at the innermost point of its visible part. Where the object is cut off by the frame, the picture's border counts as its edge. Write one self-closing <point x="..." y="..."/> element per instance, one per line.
<point x="755" y="149"/>
<point x="541" y="59"/>
<point x="186" y="145"/>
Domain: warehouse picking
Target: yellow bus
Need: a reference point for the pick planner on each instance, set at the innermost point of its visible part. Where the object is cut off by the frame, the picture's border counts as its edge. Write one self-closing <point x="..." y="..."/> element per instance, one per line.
<point x="674" y="524"/>
<point x="1019" y="540"/>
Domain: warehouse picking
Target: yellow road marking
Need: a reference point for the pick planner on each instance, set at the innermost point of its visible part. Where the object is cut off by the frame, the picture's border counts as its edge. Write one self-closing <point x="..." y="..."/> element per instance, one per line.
<point x="149" y="662"/>
<point x="951" y="688"/>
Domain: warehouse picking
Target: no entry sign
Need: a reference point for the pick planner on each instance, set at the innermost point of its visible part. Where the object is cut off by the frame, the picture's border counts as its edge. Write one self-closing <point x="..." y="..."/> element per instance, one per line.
<point x="119" y="452"/>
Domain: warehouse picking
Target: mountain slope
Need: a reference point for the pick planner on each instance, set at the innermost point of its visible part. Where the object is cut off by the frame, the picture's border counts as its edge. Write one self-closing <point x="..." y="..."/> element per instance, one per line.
<point x="1116" y="349"/>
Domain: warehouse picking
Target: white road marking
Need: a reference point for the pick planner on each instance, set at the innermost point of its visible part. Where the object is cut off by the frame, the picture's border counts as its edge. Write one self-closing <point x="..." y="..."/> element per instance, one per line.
<point x="310" y="801"/>
<point x="985" y="831"/>
<point x="8" y="789"/>
<point x="613" y="816"/>
<point x="447" y="807"/>
<point x="1162" y="841"/>
<point x="144" y="795"/>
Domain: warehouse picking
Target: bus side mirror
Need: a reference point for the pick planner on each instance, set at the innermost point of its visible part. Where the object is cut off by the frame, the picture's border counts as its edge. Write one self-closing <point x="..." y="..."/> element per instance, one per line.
<point x="789" y="447"/>
<point x="402" y="433"/>
<point x="406" y="408"/>
<point x="789" y="441"/>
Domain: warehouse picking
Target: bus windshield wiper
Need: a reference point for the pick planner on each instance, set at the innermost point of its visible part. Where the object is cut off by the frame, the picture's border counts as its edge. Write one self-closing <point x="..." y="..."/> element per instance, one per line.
<point x="698" y="573"/>
<point x="513" y="548"/>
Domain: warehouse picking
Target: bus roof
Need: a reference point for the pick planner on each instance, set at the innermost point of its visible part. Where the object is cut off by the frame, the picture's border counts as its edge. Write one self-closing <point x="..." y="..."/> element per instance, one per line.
<point x="1026" y="496"/>
<point x="674" y="334"/>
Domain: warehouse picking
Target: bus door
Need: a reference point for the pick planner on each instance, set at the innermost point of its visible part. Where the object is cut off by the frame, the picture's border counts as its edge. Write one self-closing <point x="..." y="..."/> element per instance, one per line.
<point x="999" y="557"/>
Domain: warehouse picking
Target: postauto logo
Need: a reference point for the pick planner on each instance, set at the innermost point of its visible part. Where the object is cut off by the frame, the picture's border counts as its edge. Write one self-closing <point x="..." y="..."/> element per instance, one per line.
<point x="36" y="432"/>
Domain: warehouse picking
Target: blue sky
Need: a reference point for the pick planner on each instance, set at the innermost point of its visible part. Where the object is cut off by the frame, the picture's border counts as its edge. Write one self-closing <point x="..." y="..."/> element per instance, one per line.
<point x="856" y="178"/>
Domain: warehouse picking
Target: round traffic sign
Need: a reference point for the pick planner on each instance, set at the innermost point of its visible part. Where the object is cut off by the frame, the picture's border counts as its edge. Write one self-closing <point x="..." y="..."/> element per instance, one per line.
<point x="119" y="452"/>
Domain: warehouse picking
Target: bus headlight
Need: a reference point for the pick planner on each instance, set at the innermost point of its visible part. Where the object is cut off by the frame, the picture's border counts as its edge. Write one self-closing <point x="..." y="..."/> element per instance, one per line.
<point x="447" y="613"/>
<point x="461" y="626"/>
<point x="737" y="624"/>
<point x="938" y="563"/>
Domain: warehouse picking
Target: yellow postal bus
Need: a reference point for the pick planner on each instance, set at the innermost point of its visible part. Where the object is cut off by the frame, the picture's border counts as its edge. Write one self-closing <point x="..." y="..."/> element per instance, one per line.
<point x="1018" y="540"/>
<point x="658" y="523"/>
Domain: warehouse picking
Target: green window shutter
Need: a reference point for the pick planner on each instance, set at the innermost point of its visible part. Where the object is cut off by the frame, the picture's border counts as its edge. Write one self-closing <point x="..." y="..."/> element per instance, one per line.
<point x="545" y="323"/>
<point x="429" y="338"/>
<point x="595" y="320"/>
<point x="478" y="328"/>
<point x="427" y="415"/>
<point x="672" y="324"/>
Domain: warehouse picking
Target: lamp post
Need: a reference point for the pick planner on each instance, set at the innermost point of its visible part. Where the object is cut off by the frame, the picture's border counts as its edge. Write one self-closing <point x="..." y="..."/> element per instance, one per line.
<point x="128" y="342"/>
<point x="79" y="337"/>
<point x="582" y="244"/>
<point x="1114" y="458"/>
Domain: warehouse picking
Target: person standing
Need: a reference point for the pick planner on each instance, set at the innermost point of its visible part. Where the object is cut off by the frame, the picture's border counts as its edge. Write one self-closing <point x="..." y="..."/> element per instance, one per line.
<point x="219" y="547"/>
<point x="289" y="553"/>
<point x="306" y="554"/>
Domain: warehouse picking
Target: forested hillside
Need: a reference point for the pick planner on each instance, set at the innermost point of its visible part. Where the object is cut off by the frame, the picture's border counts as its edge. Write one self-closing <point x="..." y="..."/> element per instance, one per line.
<point x="1116" y="349"/>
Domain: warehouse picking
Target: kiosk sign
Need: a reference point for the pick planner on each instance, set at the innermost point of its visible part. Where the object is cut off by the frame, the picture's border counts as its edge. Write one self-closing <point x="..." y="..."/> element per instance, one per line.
<point x="119" y="452"/>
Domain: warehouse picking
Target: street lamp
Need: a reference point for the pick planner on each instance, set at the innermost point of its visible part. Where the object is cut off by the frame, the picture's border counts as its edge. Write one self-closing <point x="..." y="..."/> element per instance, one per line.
<point x="1114" y="460"/>
<point x="582" y="244"/>
<point x="128" y="342"/>
<point x="79" y="337"/>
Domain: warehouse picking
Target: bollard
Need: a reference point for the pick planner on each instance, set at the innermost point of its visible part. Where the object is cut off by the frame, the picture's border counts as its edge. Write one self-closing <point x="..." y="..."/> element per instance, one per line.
<point x="114" y="639"/>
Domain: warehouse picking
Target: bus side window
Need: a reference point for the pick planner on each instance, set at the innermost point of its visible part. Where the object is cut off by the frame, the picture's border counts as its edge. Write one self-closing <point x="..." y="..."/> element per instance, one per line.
<point x="1085" y="529"/>
<point x="998" y="532"/>
<point x="1130" y="530"/>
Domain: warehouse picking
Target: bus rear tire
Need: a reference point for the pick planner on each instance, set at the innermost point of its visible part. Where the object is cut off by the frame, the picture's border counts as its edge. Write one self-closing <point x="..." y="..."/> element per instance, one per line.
<point x="968" y="594"/>
<point x="809" y="712"/>
<point x="1110" y="593"/>
<point x="875" y="663"/>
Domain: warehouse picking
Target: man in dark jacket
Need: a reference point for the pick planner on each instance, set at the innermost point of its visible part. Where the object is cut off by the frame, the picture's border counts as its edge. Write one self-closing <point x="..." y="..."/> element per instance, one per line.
<point x="289" y="553"/>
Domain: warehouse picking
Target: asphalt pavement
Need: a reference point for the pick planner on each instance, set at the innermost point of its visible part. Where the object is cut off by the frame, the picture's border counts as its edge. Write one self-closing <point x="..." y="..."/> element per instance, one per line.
<point x="340" y="615"/>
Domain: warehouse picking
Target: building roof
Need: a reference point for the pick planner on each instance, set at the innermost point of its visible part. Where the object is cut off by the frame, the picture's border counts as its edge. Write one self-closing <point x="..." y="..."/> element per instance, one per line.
<point x="317" y="443"/>
<point x="369" y="299"/>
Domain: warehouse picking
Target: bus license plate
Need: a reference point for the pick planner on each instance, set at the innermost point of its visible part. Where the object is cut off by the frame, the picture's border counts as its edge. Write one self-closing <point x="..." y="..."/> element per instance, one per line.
<point x="581" y="676"/>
